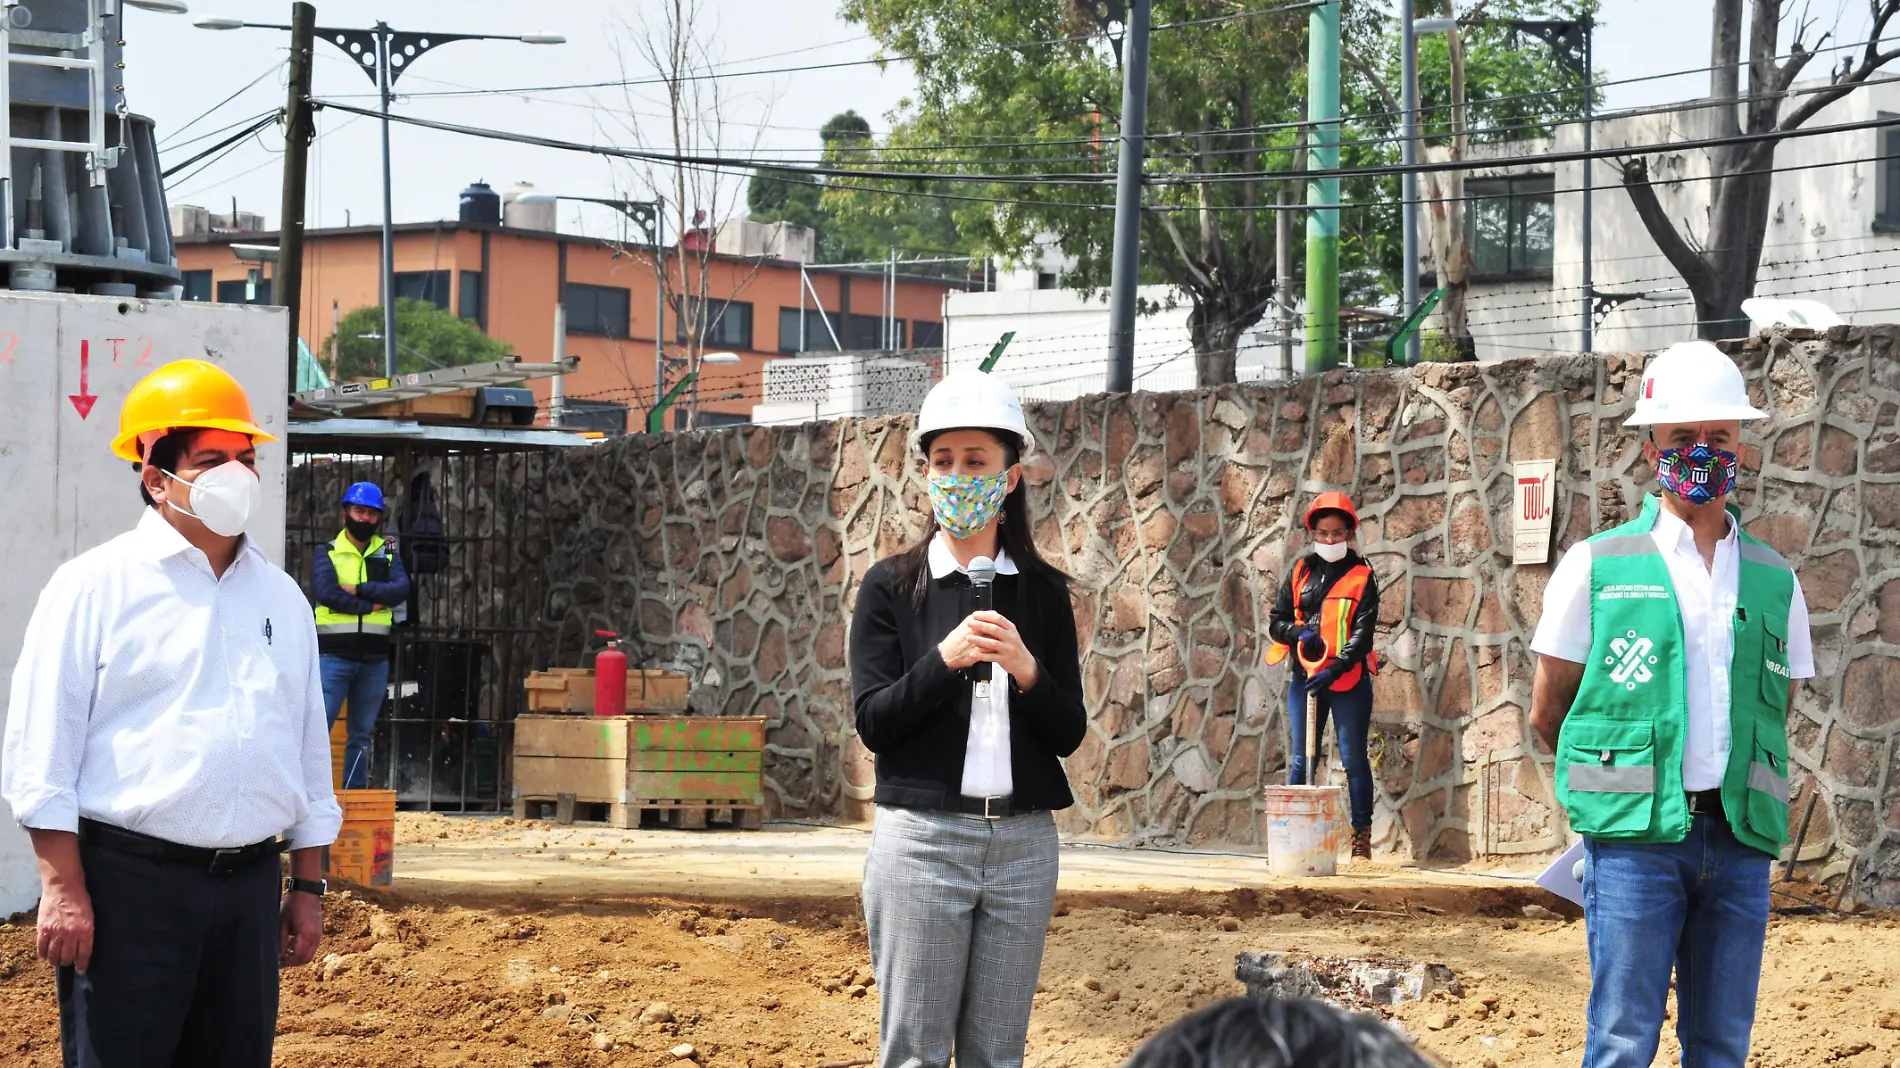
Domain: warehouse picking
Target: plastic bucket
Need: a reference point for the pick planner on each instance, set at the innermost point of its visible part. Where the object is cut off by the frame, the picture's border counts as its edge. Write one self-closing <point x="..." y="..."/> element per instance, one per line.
<point x="1302" y="830"/>
<point x="365" y="849"/>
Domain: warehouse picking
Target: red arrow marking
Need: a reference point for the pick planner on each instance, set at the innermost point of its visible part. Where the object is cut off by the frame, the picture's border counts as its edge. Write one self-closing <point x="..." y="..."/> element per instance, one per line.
<point x="83" y="400"/>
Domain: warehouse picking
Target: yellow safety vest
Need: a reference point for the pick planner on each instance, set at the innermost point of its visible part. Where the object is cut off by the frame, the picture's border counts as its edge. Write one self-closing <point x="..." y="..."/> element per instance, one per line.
<point x="353" y="570"/>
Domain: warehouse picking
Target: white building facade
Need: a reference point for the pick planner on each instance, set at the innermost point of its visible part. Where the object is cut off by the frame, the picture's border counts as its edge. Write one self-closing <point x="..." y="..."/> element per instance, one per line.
<point x="1833" y="231"/>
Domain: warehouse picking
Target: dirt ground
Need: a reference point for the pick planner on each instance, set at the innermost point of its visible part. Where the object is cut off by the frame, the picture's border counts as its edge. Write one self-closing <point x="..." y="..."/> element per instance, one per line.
<point x="599" y="968"/>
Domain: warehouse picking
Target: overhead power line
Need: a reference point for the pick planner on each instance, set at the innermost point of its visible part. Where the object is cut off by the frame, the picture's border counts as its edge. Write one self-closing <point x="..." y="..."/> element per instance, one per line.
<point x="875" y="61"/>
<point x="745" y="166"/>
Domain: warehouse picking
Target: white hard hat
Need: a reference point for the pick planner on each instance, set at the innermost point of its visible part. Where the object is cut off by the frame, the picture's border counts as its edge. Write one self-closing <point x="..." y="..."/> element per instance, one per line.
<point x="971" y="399"/>
<point x="1692" y="382"/>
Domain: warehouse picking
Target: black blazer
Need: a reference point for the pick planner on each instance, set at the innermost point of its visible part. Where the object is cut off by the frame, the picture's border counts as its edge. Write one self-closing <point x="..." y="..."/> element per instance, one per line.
<point x="914" y="712"/>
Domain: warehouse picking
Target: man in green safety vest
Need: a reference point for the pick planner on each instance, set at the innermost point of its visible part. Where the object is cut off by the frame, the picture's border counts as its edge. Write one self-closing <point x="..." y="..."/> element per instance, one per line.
<point x="1668" y="654"/>
<point x="359" y="584"/>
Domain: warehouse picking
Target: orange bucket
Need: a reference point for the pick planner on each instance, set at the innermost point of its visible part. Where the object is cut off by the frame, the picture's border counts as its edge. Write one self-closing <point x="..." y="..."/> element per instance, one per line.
<point x="365" y="849"/>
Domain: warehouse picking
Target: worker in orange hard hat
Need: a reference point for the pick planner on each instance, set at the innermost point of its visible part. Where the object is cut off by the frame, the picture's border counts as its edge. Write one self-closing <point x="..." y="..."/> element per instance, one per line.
<point x="1325" y="615"/>
<point x="166" y="744"/>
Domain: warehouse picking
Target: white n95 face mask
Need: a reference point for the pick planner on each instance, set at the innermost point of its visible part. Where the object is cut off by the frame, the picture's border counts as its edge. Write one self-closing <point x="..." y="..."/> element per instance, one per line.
<point x="1333" y="553"/>
<point x="224" y="498"/>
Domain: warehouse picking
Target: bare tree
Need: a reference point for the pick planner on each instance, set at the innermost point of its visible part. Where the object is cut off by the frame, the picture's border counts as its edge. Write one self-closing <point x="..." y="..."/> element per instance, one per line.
<point x="1720" y="265"/>
<point x="670" y="38"/>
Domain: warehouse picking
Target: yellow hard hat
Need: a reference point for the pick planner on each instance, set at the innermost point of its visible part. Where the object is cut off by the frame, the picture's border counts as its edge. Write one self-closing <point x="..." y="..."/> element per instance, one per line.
<point x="185" y="393"/>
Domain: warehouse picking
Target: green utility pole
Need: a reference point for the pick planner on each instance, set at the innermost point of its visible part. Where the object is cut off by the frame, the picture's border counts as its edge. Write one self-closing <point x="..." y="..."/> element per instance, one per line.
<point x="996" y="352"/>
<point x="1322" y="195"/>
<point x="656" y="418"/>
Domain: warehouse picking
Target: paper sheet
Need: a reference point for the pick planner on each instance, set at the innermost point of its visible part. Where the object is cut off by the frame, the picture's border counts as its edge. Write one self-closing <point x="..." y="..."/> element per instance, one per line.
<point x="1561" y="879"/>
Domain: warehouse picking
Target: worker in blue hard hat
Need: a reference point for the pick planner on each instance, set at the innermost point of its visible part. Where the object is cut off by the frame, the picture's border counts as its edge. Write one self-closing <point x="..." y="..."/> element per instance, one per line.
<point x="359" y="583"/>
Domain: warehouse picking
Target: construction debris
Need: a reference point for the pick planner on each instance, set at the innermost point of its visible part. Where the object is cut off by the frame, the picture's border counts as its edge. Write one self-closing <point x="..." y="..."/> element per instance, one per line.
<point x="1349" y="982"/>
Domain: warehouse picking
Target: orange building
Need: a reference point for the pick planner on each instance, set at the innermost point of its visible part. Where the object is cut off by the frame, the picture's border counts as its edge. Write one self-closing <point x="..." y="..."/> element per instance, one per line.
<point x="508" y="281"/>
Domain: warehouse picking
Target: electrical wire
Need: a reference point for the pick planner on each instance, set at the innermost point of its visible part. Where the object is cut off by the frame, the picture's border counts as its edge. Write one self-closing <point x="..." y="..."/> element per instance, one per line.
<point x="877" y="61"/>
<point x="267" y="72"/>
<point x="222" y="147"/>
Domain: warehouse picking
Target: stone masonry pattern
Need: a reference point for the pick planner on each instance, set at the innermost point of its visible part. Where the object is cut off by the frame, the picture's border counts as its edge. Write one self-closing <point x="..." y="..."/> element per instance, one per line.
<point x="736" y="555"/>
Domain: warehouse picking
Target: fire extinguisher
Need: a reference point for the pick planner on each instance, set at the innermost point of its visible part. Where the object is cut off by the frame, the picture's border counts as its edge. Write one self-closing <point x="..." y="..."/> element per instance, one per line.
<point x="610" y="677"/>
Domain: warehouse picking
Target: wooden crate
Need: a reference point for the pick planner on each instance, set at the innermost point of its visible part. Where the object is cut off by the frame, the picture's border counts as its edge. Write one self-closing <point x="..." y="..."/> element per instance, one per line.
<point x="581" y="755"/>
<point x="571" y="690"/>
<point x="678" y="769"/>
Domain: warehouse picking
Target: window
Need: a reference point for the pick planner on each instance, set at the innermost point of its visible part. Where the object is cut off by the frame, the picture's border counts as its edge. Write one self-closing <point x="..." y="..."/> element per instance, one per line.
<point x="1887" y="179"/>
<point x="1045" y="279"/>
<point x="817" y="337"/>
<point x="1509" y="224"/>
<point x="430" y="287"/>
<point x="866" y="332"/>
<point x="603" y="310"/>
<point x="925" y="335"/>
<point x="234" y="292"/>
<point x="197" y="285"/>
<point x="727" y="324"/>
<point x="468" y="301"/>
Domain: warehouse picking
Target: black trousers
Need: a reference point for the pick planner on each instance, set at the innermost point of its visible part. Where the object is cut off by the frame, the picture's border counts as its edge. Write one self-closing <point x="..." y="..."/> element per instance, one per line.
<point x="184" y="967"/>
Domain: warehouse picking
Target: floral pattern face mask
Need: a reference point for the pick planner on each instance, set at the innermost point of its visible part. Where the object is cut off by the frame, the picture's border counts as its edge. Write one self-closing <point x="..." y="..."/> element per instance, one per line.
<point x="1698" y="474"/>
<point x="965" y="504"/>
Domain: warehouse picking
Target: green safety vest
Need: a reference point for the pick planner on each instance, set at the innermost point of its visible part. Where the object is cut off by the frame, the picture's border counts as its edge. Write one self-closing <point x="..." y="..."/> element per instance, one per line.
<point x="1619" y="755"/>
<point x="353" y="570"/>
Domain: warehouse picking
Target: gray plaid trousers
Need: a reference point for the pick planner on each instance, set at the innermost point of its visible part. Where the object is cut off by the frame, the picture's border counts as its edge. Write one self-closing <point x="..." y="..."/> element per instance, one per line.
<point x="957" y="908"/>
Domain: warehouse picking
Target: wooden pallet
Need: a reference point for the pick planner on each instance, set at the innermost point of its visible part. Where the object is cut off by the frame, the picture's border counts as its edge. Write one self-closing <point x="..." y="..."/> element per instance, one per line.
<point x="565" y="809"/>
<point x="696" y="815"/>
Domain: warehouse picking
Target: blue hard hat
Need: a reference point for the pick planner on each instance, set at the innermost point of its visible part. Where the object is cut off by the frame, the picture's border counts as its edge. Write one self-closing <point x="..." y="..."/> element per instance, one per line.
<point x="367" y="494"/>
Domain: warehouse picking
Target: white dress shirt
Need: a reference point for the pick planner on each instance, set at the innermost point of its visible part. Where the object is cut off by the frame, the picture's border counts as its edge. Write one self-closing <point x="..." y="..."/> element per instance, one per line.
<point x="986" y="770"/>
<point x="156" y="697"/>
<point x="1706" y="599"/>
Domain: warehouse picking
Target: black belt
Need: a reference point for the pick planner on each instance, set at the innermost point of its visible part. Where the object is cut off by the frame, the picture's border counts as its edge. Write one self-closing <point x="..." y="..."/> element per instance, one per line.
<point x="215" y="861"/>
<point x="1705" y="802"/>
<point x="990" y="808"/>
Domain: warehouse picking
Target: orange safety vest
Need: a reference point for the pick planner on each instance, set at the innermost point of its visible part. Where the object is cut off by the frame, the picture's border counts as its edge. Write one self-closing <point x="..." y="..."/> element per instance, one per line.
<point x="1335" y="625"/>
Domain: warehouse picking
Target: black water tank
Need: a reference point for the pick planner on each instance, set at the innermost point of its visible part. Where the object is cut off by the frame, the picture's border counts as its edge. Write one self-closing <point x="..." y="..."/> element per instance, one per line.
<point x="480" y="204"/>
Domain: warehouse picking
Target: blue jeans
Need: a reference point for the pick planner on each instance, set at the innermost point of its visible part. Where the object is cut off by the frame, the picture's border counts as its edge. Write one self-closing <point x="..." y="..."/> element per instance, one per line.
<point x="1352" y="718"/>
<point x="363" y="683"/>
<point x="1699" y="907"/>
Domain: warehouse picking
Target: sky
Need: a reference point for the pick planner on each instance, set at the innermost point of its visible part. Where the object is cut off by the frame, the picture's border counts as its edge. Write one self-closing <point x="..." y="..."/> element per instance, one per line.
<point x="181" y="76"/>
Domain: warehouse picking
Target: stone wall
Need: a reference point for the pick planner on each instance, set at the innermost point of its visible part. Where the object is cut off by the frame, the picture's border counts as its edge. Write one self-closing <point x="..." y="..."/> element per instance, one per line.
<point x="737" y="553"/>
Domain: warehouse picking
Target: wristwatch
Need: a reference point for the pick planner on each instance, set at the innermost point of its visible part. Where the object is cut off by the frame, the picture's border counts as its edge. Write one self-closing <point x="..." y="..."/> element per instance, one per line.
<point x="308" y="886"/>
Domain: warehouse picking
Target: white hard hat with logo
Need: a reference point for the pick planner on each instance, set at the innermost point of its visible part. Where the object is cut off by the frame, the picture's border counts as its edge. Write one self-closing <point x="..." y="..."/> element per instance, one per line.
<point x="1692" y="382"/>
<point x="972" y="400"/>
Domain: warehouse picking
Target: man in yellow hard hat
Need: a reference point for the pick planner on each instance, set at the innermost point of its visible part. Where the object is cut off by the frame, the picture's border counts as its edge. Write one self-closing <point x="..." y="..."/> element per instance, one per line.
<point x="166" y="745"/>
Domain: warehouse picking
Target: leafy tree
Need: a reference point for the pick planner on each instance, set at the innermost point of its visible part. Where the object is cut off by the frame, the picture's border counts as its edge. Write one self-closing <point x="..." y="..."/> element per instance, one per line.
<point x="427" y="337"/>
<point x="1224" y="101"/>
<point x="851" y="231"/>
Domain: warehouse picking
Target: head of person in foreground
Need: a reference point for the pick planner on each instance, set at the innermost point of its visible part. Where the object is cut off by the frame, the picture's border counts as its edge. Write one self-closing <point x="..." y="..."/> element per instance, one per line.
<point x="1273" y="1033"/>
<point x="1692" y="403"/>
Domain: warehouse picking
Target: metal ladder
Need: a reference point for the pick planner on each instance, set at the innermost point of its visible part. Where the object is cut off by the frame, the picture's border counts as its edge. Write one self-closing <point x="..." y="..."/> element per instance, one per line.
<point x="92" y="41"/>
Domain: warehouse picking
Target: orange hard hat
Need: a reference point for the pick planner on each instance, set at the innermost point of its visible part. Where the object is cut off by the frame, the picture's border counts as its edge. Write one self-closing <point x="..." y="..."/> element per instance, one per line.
<point x="1332" y="501"/>
<point x="185" y="393"/>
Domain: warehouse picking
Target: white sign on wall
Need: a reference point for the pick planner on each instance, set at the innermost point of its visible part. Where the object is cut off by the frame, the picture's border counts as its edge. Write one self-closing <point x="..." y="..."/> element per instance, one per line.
<point x="1533" y="499"/>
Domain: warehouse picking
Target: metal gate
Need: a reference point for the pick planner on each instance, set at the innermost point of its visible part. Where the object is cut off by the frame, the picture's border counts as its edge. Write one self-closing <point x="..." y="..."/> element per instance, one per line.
<point x="473" y="630"/>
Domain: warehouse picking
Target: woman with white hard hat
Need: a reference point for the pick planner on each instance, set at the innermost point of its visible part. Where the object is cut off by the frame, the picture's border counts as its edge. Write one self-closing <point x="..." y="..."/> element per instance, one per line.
<point x="969" y="710"/>
<point x="1669" y="652"/>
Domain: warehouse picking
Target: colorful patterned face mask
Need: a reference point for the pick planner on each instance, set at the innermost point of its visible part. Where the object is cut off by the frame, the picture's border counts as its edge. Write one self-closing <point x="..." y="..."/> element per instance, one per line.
<point x="965" y="504"/>
<point x="1699" y="473"/>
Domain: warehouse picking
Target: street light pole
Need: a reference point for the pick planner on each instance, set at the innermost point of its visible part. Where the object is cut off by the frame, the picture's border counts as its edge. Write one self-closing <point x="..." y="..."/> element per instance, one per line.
<point x="383" y="54"/>
<point x="383" y="78"/>
<point x="1408" y="154"/>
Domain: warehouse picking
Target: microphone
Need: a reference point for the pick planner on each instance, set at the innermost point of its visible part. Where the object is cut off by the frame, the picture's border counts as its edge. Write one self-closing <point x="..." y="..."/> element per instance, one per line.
<point x="982" y="572"/>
